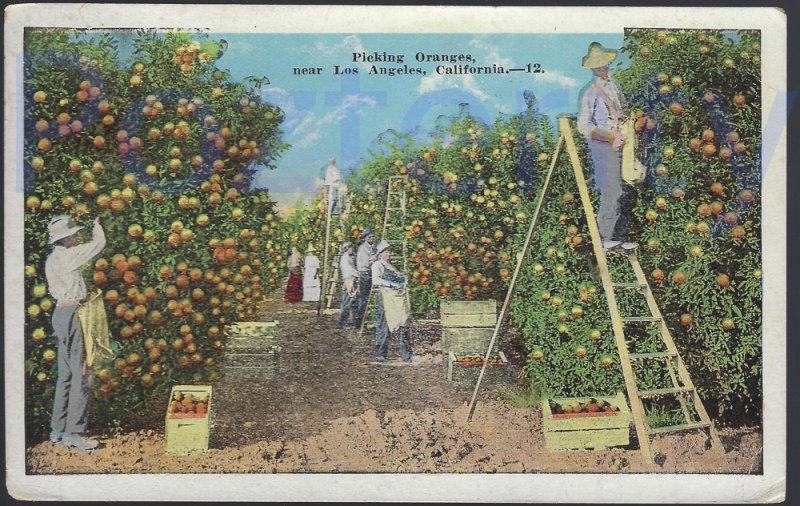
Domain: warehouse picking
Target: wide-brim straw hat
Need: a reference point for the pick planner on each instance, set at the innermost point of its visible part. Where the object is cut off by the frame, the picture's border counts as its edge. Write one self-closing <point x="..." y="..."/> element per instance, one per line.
<point x="366" y="233"/>
<point x="311" y="249"/>
<point x="344" y="247"/>
<point x="598" y="56"/>
<point x="383" y="246"/>
<point x="61" y="227"/>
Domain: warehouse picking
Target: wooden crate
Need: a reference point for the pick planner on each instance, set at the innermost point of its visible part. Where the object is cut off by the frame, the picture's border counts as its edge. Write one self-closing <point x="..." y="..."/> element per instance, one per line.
<point x="469" y="373"/>
<point x="481" y="313"/>
<point x="238" y="343"/>
<point x="472" y="339"/>
<point x="252" y="328"/>
<point x="188" y="434"/>
<point x="253" y="365"/>
<point x="240" y="374"/>
<point x="582" y="431"/>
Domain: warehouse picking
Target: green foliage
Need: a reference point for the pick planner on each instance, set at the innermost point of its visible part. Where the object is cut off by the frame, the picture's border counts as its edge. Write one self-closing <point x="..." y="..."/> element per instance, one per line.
<point x="163" y="149"/>
<point x="697" y="219"/>
<point x="706" y="198"/>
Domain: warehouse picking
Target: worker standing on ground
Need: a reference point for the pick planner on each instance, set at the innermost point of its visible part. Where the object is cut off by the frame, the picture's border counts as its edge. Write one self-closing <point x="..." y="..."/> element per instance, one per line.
<point x="365" y="257"/>
<point x="602" y="107"/>
<point x="349" y="273"/>
<point x="385" y="276"/>
<point x="294" y="283"/>
<point x="311" y="284"/>
<point x="70" y="417"/>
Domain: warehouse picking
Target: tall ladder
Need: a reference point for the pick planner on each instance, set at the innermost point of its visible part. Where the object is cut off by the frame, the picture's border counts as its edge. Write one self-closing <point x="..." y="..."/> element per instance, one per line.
<point x="682" y="386"/>
<point x="393" y="232"/>
<point x="328" y="288"/>
<point x="332" y="284"/>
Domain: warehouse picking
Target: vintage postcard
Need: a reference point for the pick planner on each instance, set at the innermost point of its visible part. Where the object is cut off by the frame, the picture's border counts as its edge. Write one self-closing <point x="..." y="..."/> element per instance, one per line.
<point x="395" y="254"/>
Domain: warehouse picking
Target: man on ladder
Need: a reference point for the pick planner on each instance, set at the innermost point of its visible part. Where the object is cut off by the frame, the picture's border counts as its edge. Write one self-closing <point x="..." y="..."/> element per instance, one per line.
<point x="599" y="120"/>
<point x="365" y="257"/>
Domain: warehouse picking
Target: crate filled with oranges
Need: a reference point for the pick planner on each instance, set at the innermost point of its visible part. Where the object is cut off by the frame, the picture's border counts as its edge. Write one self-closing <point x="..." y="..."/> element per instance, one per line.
<point x="582" y="423"/>
<point x="188" y="419"/>
<point x="466" y="367"/>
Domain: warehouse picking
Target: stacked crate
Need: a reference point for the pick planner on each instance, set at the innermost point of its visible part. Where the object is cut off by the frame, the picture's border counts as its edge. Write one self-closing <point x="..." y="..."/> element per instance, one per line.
<point x="253" y="352"/>
<point x="467" y="328"/>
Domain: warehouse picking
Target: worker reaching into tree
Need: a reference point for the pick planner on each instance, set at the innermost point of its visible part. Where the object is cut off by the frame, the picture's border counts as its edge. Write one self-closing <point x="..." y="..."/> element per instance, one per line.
<point x="390" y="312"/>
<point x="365" y="257"/>
<point x="602" y="108"/>
<point x="349" y="273"/>
<point x="333" y="183"/>
<point x="73" y="394"/>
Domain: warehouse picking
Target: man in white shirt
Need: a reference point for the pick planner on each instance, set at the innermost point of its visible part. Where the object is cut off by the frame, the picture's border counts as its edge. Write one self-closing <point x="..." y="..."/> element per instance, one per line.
<point x="602" y="110"/>
<point x="65" y="282"/>
<point x="311" y="284"/>
<point x="333" y="180"/>
<point x="364" y="260"/>
<point x="349" y="276"/>
<point x="385" y="275"/>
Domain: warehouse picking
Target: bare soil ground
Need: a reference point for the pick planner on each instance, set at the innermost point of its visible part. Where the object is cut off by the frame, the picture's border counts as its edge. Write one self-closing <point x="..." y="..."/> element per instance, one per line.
<point x="329" y="410"/>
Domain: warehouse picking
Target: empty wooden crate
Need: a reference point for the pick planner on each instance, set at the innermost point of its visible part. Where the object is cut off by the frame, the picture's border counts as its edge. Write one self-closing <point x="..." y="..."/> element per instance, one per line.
<point x="467" y="326"/>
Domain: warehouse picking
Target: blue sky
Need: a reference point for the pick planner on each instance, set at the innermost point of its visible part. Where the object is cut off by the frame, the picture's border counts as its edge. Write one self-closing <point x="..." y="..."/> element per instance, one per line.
<point x="339" y="115"/>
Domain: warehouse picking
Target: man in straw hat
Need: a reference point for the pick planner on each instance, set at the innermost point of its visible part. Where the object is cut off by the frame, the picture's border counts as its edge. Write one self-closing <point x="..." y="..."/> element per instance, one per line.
<point x="602" y="110"/>
<point x="349" y="275"/>
<point x="65" y="282"/>
<point x="311" y="284"/>
<point x="384" y="275"/>
<point x="365" y="257"/>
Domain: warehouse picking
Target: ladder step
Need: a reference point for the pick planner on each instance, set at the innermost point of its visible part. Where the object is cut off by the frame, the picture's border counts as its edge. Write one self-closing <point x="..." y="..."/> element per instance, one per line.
<point x="652" y="356"/>
<point x="629" y="285"/>
<point x="629" y="319"/>
<point x="665" y="391"/>
<point x="679" y="427"/>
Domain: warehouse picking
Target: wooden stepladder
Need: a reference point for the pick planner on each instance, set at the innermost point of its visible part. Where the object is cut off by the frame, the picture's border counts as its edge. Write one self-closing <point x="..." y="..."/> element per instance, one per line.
<point x="393" y="232"/>
<point x="330" y="271"/>
<point x="694" y="413"/>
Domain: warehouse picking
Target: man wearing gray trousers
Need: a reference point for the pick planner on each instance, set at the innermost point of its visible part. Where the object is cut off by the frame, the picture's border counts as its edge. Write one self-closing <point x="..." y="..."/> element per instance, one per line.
<point x="602" y="109"/>
<point x="65" y="282"/>
<point x="385" y="275"/>
<point x="349" y="275"/>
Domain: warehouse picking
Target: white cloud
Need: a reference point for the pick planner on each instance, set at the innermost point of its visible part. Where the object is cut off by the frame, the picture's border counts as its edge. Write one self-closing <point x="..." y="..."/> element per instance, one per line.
<point x="350" y="43"/>
<point x="308" y="140"/>
<point x="554" y="76"/>
<point x="283" y="99"/>
<point x="491" y="54"/>
<point x="465" y="82"/>
<point x="351" y="104"/>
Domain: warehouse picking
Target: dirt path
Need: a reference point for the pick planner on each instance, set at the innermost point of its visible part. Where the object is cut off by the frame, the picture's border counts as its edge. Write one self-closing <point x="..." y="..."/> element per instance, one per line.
<point x="324" y="376"/>
<point x="328" y="411"/>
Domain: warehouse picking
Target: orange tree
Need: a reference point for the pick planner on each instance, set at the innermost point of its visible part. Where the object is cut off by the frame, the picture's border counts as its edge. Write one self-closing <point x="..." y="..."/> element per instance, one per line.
<point x="465" y="185"/>
<point x="163" y="149"/>
<point x="697" y="219"/>
<point x="699" y="216"/>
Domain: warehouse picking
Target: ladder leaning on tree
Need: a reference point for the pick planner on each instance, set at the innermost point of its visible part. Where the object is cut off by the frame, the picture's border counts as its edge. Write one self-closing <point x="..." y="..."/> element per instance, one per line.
<point x="393" y="232"/>
<point x="330" y="270"/>
<point x="682" y="387"/>
<point x="332" y="277"/>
